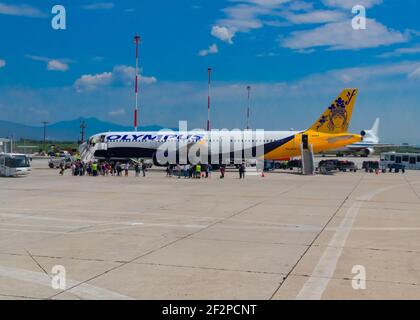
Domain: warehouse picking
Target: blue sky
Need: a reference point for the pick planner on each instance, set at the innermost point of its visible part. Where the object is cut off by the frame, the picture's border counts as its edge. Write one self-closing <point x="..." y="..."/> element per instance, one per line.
<point x="297" y="55"/>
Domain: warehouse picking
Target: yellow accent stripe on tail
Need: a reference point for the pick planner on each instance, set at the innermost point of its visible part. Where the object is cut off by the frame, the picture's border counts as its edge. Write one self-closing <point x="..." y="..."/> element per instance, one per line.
<point x="336" y="118"/>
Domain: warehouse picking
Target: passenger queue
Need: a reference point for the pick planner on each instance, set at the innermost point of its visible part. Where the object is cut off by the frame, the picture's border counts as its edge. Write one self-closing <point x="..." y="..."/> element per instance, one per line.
<point x="104" y="168"/>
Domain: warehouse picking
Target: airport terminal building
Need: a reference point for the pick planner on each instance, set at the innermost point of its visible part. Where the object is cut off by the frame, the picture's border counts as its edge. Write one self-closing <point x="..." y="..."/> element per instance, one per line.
<point x="5" y="145"/>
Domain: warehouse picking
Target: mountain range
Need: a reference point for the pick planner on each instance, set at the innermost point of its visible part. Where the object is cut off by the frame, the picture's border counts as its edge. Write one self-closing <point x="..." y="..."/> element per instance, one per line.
<point x="64" y="130"/>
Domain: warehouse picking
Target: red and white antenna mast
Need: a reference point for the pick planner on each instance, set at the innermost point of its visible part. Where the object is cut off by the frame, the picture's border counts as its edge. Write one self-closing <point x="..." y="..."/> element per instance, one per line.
<point x="248" y="88"/>
<point x="136" y="109"/>
<point x="208" y="100"/>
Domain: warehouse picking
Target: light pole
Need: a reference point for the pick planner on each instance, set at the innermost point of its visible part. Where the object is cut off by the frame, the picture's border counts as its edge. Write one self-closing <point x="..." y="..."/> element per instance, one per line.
<point x="82" y="130"/>
<point x="136" y="110"/>
<point x="209" y="70"/>
<point x="45" y="133"/>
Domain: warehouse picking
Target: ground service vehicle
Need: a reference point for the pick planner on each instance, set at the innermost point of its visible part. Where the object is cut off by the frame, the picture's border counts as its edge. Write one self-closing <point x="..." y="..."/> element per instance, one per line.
<point x="55" y="162"/>
<point x="325" y="166"/>
<point x="370" y="166"/>
<point x="13" y="164"/>
<point x="396" y="167"/>
<point x="345" y="165"/>
<point x="410" y="161"/>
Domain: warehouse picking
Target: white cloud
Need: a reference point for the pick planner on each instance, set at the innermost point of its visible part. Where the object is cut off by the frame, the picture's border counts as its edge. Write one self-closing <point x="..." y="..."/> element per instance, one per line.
<point x="126" y="75"/>
<point x="2" y="63"/>
<point x="223" y="34"/>
<point x="21" y="10"/>
<point x="264" y="3"/>
<point x="317" y="16"/>
<point x="415" y="74"/>
<point x="399" y="52"/>
<point x="90" y="82"/>
<point x="244" y="16"/>
<point x="341" y="36"/>
<point x="335" y="32"/>
<point x="120" y="75"/>
<point x="116" y="113"/>
<point x="52" y="64"/>
<point x="213" y="49"/>
<point x="300" y="6"/>
<point x="123" y="74"/>
<point x="148" y="80"/>
<point x="99" y="6"/>
<point x="38" y="58"/>
<point x="55" y="65"/>
<point x="269" y="54"/>
<point x="348" y="4"/>
<point x="414" y="32"/>
<point x="366" y="74"/>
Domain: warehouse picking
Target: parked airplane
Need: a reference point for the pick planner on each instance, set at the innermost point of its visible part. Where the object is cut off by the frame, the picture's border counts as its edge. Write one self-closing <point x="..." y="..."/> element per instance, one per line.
<point x="365" y="147"/>
<point x="329" y="132"/>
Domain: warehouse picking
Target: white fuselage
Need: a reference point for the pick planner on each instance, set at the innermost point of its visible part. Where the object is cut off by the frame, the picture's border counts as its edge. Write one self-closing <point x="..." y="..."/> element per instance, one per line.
<point x="146" y="144"/>
<point x="357" y="147"/>
<point x="367" y="146"/>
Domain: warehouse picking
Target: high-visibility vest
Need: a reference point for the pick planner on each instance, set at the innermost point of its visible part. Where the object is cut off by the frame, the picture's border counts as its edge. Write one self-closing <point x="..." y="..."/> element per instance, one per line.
<point x="198" y="168"/>
<point x="94" y="166"/>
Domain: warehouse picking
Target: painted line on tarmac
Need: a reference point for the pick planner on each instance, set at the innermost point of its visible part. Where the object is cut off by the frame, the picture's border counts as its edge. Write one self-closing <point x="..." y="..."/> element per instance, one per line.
<point x="72" y="211"/>
<point x="127" y="227"/>
<point x="46" y="218"/>
<point x="318" y="281"/>
<point x="82" y="290"/>
<point x="241" y="224"/>
<point x="35" y="225"/>
<point x="315" y="286"/>
<point x="379" y="229"/>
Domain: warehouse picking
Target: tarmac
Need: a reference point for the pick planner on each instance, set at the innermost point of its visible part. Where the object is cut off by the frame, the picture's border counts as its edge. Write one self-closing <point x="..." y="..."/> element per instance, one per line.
<point x="282" y="236"/>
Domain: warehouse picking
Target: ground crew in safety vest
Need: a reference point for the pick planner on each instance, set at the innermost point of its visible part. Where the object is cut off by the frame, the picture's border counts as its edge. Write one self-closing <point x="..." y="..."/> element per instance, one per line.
<point x="198" y="171"/>
<point x="95" y="169"/>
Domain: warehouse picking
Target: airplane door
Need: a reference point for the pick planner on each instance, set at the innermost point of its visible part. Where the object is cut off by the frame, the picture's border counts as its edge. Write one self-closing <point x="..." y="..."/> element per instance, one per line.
<point x="398" y="159"/>
<point x="305" y="142"/>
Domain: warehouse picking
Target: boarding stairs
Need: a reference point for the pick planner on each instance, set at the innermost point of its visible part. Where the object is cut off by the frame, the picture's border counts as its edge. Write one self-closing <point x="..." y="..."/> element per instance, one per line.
<point x="308" y="163"/>
<point x="87" y="151"/>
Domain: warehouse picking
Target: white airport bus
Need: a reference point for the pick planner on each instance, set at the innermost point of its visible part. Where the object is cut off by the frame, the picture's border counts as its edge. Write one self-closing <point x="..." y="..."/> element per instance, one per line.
<point x="13" y="164"/>
<point x="409" y="160"/>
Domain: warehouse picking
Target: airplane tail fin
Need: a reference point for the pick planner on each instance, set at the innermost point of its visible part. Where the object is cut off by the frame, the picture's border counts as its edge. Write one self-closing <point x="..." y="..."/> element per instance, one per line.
<point x="375" y="127"/>
<point x="372" y="135"/>
<point x="336" y="118"/>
